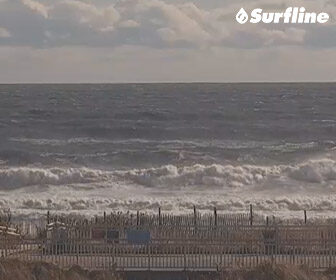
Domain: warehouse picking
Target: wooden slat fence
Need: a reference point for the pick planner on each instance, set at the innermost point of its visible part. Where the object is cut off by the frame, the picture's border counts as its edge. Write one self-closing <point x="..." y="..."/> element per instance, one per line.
<point x="244" y="246"/>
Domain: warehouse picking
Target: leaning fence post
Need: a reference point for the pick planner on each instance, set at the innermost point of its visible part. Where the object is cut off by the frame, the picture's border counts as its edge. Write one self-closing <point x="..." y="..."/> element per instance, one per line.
<point x="251" y="214"/>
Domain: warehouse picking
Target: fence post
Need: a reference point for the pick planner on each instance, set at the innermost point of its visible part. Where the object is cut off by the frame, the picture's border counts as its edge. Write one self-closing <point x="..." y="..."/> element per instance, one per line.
<point x="160" y="222"/>
<point x="6" y="244"/>
<point x="251" y="214"/>
<point x="215" y="214"/>
<point x="149" y="257"/>
<point x="42" y="246"/>
<point x="195" y="216"/>
<point x="305" y="216"/>
<point x="77" y="249"/>
<point x="184" y="257"/>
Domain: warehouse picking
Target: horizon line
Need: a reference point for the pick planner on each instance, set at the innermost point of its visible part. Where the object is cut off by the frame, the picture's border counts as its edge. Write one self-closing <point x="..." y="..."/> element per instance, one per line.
<point x="166" y="82"/>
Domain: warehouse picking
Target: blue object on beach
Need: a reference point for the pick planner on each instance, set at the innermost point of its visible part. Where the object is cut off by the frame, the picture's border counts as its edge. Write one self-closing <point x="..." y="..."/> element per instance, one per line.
<point x="112" y="234"/>
<point x="138" y="236"/>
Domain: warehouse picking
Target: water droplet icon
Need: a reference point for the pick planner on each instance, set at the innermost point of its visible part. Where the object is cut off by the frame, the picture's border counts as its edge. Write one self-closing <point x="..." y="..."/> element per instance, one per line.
<point x="242" y="16"/>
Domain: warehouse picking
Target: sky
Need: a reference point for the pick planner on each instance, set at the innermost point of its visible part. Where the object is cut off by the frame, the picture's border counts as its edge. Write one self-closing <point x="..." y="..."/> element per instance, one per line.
<point x="88" y="41"/>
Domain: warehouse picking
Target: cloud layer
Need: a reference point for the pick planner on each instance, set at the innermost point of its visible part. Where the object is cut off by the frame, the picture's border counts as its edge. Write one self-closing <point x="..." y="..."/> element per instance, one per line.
<point x="181" y="34"/>
<point x="153" y="23"/>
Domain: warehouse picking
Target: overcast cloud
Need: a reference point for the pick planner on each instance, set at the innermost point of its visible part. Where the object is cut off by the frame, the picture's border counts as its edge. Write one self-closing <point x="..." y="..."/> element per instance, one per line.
<point x="160" y="40"/>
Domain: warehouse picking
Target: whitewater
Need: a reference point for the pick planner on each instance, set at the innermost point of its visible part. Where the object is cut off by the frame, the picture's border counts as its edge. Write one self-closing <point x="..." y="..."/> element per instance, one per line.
<point x="92" y="148"/>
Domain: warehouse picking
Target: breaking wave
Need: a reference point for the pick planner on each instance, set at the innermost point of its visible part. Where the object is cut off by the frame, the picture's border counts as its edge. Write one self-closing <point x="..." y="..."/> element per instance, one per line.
<point x="279" y="188"/>
<point x="170" y="176"/>
<point x="24" y="176"/>
<point x="317" y="171"/>
<point x="215" y="175"/>
<point x="314" y="171"/>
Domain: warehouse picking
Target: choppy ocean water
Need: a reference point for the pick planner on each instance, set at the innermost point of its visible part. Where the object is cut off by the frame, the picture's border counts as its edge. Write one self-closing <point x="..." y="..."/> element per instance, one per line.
<point x="92" y="148"/>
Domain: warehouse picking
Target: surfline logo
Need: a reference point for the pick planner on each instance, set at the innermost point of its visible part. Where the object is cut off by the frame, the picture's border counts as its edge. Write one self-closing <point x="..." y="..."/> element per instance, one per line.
<point x="290" y="15"/>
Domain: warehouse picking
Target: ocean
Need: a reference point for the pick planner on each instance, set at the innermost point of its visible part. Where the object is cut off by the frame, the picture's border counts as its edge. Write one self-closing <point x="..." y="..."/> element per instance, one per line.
<point x="89" y="148"/>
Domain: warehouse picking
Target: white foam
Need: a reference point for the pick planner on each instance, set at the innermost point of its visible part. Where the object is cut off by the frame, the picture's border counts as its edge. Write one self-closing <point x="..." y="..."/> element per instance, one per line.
<point x="279" y="188"/>
<point x="198" y="175"/>
<point x="314" y="171"/>
<point x="24" y="176"/>
<point x="281" y="206"/>
<point x="170" y="176"/>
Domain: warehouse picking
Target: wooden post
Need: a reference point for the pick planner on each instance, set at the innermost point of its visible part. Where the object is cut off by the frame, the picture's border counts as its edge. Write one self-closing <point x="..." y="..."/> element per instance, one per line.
<point x="215" y="214"/>
<point x="48" y="218"/>
<point x="138" y="219"/>
<point x="184" y="258"/>
<point x="104" y="217"/>
<point x="160" y="222"/>
<point x="195" y="216"/>
<point x="149" y="256"/>
<point x="251" y="214"/>
<point x="305" y="216"/>
<point x="267" y="220"/>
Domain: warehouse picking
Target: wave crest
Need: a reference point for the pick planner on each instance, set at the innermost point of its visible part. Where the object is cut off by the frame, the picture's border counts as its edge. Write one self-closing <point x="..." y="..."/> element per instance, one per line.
<point x="201" y="175"/>
<point x="24" y="176"/>
<point x="171" y="177"/>
<point x="314" y="171"/>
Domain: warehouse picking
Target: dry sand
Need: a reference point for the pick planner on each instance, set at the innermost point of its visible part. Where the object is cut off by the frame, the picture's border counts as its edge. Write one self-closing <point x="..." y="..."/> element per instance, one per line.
<point x="279" y="272"/>
<point x="17" y="270"/>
